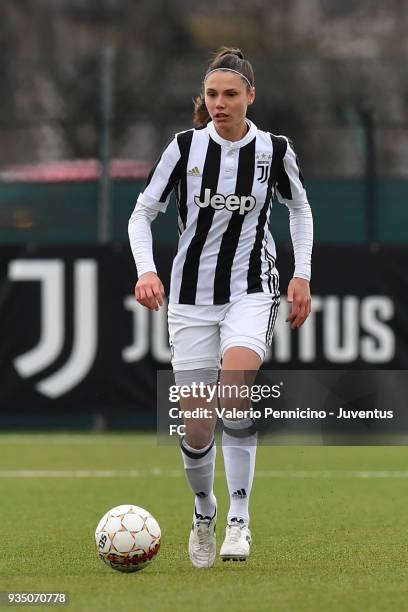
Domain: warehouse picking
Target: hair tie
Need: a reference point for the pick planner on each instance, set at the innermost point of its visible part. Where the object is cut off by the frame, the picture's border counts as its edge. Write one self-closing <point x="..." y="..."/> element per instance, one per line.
<point x="229" y="70"/>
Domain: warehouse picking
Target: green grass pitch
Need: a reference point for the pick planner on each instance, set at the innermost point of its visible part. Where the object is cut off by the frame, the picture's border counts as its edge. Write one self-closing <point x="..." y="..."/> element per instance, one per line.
<point x="329" y="526"/>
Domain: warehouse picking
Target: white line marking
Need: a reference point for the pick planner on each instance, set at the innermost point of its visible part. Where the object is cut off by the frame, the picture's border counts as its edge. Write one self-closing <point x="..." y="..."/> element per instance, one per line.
<point x="150" y="439"/>
<point x="73" y="440"/>
<point x="157" y="471"/>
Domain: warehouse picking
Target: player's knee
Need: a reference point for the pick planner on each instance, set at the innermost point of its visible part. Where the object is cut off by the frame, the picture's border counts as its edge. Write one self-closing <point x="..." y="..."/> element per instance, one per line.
<point x="233" y="403"/>
<point x="207" y="376"/>
<point x="199" y="435"/>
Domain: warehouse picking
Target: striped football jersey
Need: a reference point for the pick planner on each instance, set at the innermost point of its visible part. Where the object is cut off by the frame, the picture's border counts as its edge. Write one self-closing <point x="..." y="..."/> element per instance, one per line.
<point x="224" y="192"/>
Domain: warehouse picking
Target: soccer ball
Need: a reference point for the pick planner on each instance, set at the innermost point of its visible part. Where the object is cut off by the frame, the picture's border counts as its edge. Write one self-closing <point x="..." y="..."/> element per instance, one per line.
<point x="127" y="538"/>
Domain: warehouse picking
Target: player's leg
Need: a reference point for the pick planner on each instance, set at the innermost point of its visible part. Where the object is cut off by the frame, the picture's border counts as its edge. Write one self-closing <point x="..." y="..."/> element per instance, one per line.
<point x="194" y="339"/>
<point x="199" y="453"/>
<point x="239" y="444"/>
<point x="245" y="336"/>
<point x="239" y="438"/>
<point x="197" y="445"/>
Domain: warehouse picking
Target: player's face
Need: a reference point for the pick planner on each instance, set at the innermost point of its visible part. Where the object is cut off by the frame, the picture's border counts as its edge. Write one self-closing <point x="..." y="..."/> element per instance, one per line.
<point x="227" y="98"/>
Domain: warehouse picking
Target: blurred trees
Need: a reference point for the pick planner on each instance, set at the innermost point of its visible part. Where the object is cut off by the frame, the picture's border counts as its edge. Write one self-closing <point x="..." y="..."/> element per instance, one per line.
<point x="319" y="65"/>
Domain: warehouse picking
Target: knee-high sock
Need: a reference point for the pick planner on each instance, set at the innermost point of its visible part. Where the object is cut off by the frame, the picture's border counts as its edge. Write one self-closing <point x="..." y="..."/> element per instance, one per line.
<point x="199" y="466"/>
<point x="239" y="442"/>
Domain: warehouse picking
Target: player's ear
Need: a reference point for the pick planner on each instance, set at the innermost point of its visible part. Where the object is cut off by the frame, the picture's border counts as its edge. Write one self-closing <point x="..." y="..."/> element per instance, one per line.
<point x="251" y="96"/>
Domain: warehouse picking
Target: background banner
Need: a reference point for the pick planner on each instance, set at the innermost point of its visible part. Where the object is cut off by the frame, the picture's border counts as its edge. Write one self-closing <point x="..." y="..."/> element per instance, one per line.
<point x="76" y="350"/>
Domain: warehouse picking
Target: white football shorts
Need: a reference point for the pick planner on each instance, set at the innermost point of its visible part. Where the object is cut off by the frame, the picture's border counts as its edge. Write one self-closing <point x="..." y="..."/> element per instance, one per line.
<point x="200" y="335"/>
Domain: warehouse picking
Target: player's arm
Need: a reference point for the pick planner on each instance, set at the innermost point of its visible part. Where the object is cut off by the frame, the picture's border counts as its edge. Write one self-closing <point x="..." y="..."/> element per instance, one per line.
<point x="149" y="290"/>
<point x="291" y="192"/>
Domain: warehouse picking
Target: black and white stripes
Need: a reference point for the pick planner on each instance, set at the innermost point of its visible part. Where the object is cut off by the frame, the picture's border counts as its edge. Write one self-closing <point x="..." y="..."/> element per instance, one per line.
<point x="224" y="192"/>
<point x="189" y="275"/>
<point x="272" y="320"/>
<point x="231" y="235"/>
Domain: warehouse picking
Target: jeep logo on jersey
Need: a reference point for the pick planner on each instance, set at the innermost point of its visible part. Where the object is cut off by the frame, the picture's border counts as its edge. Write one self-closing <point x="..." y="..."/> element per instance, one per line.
<point x="242" y="204"/>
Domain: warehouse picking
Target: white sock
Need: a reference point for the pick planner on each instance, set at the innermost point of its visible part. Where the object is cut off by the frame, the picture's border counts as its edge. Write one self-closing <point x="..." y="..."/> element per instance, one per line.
<point x="239" y="460"/>
<point x="199" y="466"/>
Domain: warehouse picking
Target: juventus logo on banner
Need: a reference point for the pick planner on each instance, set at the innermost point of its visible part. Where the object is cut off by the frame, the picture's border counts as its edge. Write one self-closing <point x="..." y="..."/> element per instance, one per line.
<point x="50" y="273"/>
<point x="58" y="350"/>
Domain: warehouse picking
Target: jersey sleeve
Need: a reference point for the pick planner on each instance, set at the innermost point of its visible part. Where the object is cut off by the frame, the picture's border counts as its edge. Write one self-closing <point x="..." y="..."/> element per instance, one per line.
<point x="290" y="182"/>
<point x="154" y="199"/>
<point x="162" y="179"/>
<point x="291" y="192"/>
<point x="140" y="236"/>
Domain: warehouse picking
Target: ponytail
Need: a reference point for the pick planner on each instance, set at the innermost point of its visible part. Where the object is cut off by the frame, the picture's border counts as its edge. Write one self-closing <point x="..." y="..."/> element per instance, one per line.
<point x="200" y="115"/>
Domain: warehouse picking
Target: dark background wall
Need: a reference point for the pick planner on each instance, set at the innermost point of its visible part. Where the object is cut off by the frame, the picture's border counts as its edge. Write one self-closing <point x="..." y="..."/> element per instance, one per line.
<point x="91" y="90"/>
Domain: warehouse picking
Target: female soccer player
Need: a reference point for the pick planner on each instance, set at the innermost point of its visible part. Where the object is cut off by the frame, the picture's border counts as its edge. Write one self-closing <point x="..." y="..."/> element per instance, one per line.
<point x="224" y="293"/>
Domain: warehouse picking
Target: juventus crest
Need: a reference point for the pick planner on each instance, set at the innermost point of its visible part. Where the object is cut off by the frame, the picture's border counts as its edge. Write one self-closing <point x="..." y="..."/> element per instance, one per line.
<point x="263" y="165"/>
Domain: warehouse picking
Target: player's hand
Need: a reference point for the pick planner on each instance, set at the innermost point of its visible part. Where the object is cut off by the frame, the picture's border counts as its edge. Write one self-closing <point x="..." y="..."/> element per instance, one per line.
<point x="299" y="297"/>
<point x="149" y="291"/>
